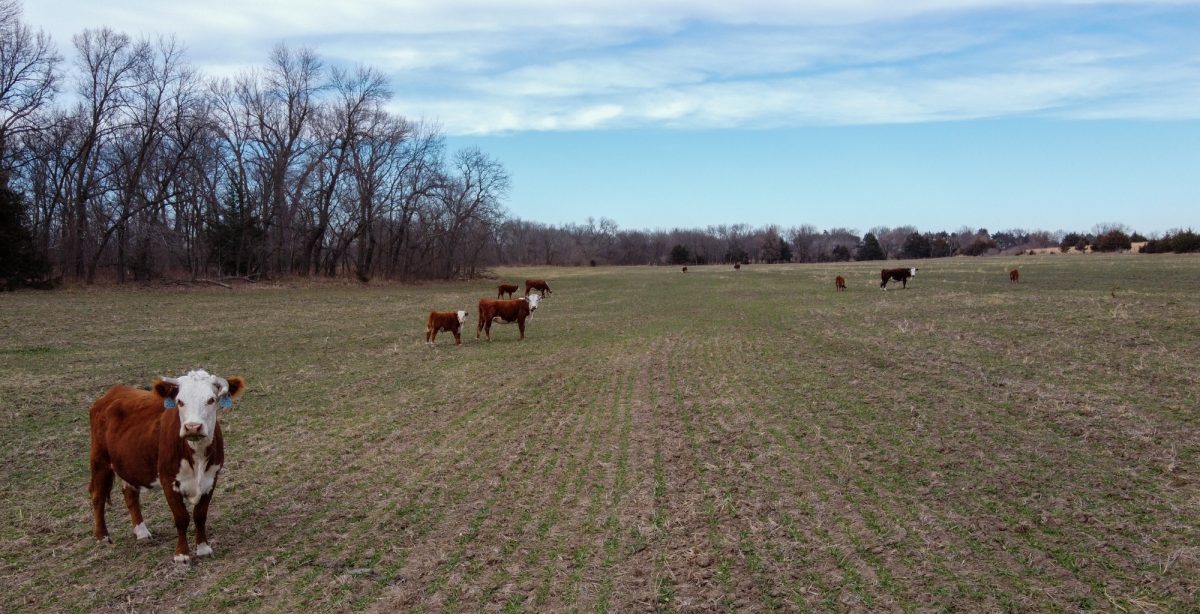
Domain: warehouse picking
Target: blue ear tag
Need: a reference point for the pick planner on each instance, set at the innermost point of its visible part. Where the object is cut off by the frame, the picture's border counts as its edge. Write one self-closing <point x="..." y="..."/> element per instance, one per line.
<point x="226" y="402"/>
<point x="169" y="403"/>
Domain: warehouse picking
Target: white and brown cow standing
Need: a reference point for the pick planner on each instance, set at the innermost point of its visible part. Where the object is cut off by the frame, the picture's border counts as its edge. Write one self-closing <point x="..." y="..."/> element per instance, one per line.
<point x="900" y="275"/>
<point x="516" y="310"/>
<point x="444" y="321"/>
<point x="167" y="437"/>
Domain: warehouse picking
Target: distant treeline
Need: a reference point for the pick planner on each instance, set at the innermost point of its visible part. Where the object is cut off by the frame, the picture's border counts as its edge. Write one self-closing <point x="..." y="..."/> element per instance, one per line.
<point x="121" y="162"/>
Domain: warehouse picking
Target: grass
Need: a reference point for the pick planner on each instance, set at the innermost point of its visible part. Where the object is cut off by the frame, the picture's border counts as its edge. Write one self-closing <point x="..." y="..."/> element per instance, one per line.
<point x="660" y="441"/>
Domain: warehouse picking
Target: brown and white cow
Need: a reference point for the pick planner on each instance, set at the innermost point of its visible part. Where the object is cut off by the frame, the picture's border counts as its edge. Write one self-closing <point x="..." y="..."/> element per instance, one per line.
<point x="167" y="437"/>
<point x="537" y="284"/>
<point x="839" y="283"/>
<point x="1014" y="276"/>
<point x="900" y="275"/>
<point x="508" y="289"/>
<point x="444" y="321"/>
<point x="507" y="311"/>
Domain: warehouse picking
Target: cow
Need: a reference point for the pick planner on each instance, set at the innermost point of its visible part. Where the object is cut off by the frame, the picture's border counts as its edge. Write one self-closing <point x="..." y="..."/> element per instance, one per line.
<point x="167" y="437"/>
<point x="737" y="266"/>
<point x="685" y="269"/>
<point x="508" y="289"/>
<point x="444" y="321"/>
<point x="839" y="283"/>
<point x="507" y="311"/>
<point x="900" y="275"/>
<point x="537" y="284"/>
<point x="1014" y="276"/>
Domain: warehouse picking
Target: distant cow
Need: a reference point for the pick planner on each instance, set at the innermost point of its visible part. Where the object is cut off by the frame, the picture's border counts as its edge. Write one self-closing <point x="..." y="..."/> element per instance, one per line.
<point x="507" y="311"/>
<point x="737" y="266"/>
<point x="685" y="269"/>
<point x="839" y="283"/>
<point x="537" y="284"/>
<point x="900" y="275"/>
<point x="167" y="437"/>
<point x="508" y="289"/>
<point x="444" y="321"/>
<point x="1014" y="276"/>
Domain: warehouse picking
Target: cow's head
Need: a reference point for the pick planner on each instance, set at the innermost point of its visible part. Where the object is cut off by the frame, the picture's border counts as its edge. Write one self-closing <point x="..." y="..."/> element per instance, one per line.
<point x="462" y="317"/>
<point x="912" y="272"/>
<point x="533" y="300"/>
<point x="198" y="395"/>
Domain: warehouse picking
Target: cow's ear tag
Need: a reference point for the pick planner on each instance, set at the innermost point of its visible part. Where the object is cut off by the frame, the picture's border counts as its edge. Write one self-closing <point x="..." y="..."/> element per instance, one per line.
<point x="168" y="403"/>
<point x="226" y="402"/>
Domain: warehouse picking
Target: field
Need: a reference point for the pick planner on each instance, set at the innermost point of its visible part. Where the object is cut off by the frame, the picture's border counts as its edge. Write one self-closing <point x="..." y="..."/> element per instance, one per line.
<point x="713" y="440"/>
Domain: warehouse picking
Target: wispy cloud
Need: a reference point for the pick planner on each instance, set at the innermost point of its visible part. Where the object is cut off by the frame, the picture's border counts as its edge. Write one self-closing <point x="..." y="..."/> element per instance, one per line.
<point x="481" y="66"/>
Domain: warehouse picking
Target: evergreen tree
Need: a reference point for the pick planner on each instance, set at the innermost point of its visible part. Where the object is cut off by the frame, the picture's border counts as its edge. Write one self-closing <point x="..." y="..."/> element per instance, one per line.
<point x="680" y="254"/>
<point x="20" y="263"/>
<point x="869" y="249"/>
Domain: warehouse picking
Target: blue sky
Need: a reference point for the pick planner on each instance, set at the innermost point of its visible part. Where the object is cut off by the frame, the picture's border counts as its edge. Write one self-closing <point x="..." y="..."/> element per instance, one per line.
<point x="938" y="113"/>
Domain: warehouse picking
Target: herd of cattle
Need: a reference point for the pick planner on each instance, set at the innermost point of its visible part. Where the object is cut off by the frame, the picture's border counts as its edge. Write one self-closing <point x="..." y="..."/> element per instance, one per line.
<point x="169" y="437"/>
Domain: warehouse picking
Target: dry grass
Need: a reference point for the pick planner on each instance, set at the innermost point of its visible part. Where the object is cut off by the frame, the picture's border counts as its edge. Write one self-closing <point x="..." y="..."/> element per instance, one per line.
<point x="716" y="440"/>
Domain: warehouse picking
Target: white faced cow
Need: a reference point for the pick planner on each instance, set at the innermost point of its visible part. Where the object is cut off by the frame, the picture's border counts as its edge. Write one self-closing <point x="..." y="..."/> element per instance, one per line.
<point x="166" y="437"/>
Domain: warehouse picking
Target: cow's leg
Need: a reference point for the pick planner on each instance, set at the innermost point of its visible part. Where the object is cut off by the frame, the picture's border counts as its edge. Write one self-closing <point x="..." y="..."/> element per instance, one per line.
<point x="487" y="328"/>
<point x="904" y="284"/>
<point x="431" y="336"/>
<point x="133" y="501"/>
<point x="180" y="513"/>
<point x="457" y="338"/>
<point x="521" y="326"/>
<point x="201" y="516"/>
<point x="100" y="487"/>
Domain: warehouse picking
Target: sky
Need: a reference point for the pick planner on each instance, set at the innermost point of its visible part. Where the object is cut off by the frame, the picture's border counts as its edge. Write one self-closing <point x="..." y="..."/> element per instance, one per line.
<point x="1052" y="114"/>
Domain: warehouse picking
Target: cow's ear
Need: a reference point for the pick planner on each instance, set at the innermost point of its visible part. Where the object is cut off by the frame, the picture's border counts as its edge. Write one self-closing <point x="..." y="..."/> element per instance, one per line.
<point x="237" y="385"/>
<point x="166" y="389"/>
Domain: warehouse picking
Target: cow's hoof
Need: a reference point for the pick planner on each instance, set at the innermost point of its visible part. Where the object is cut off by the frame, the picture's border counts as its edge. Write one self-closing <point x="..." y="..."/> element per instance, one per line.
<point x="203" y="549"/>
<point x="182" y="558"/>
<point x="142" y="532"/>
<point x="104" y="540"/>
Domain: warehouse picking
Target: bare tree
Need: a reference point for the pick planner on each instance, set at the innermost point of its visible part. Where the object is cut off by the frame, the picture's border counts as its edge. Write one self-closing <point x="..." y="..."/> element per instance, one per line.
<point x="28" y="80"/>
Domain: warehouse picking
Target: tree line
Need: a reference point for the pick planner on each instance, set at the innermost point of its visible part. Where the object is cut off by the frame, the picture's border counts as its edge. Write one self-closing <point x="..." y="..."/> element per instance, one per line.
<point x="119" y="160"/>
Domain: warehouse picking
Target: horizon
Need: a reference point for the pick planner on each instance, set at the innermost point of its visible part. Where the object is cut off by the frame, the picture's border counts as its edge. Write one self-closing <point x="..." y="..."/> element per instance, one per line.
<point x="1054" y="115"/>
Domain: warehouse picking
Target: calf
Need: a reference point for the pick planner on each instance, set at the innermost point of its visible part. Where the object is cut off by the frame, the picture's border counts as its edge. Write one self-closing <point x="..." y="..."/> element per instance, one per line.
<point x="508" y="289"/>
<point x="444" y="320"/>
<point x="1014" y="276"/>
<point x="900" y="275"/>
<point x="537" y="284"/>
<point x="737" y="266"/>
<point x="839" y="283"/>
<point x="167" y="437"/>
<point x="685" y="269"/>
<point x="517" y="310"/>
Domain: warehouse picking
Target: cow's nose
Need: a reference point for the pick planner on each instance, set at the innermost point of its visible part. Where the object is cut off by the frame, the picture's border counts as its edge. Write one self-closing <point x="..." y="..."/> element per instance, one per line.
<point x="192" y="427"/>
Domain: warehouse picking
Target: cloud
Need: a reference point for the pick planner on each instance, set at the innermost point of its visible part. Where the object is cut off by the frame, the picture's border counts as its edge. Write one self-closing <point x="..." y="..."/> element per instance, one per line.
<point x="484" y="66"/>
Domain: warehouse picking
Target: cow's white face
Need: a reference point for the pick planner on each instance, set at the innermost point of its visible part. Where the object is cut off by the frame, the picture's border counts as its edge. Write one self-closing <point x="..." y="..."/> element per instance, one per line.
<point x="462" y="317"/>
<point x="913" y="272"/>
<point x="197" y="396"/>
<point x="533" y="300"/>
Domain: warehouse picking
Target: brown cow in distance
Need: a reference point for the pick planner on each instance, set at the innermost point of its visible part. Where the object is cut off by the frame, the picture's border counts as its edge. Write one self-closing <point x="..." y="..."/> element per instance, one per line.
<point x="508" y="289"/>
<point x="507" y="311"/>
<point x="737" y="266"/>
<point x="900" y="275"/>
<point x="167" y="437"/>
<point x="839" y="283"/>
<point x="537" y="284"/>
<point x="1014" y="276"/>
<point x="685" y="269"/>
<point x="444" y="320"/>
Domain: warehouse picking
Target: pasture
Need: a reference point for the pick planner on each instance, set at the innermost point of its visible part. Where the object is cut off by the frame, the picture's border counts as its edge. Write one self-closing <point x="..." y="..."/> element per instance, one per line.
<point x="749" y="441"/>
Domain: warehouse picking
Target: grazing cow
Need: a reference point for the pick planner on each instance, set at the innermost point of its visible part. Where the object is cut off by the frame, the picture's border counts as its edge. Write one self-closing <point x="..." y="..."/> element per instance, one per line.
<point x="537" y="284"/>
<point x="737" y="266"/>
<point x="516" y="310"/>
<point x="685" y="269"/>
<point x="1014" y="276"/>
<point x="839" y="283"/>
<point x="900" y="275"/>
<point x="167" y="437"/>
<point x="444" y="320"/>
<point x="508" y="289"/>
